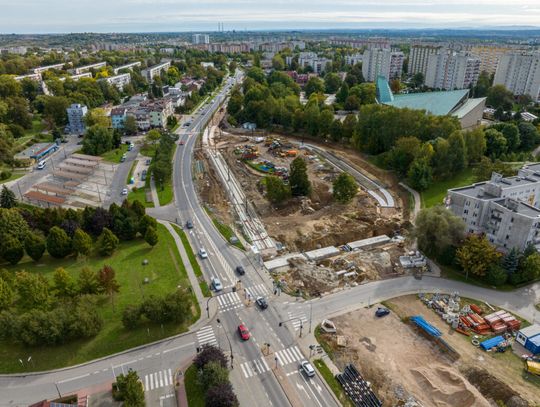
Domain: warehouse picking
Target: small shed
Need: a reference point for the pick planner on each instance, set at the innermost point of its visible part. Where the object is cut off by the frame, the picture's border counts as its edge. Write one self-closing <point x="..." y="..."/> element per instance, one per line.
<point x="491" y="342"/>
<point x="533" y="344"/>
<point x="368" y="243"/>
<point x="323" y="253"/>
<point x="526" y="333"/>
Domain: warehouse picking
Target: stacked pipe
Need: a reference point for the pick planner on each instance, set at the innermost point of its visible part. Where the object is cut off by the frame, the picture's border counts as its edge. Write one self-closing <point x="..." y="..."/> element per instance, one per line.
<point x="357" y="388"/>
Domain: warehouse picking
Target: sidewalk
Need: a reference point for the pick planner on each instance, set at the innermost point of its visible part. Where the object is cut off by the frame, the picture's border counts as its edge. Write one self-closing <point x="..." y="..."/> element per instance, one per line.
<point x="155" y="197"/>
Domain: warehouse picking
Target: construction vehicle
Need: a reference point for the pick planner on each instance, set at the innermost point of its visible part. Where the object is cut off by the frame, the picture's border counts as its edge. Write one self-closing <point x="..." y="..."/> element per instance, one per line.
<point x="292" y="153"/>
<point x="532" y="367"/>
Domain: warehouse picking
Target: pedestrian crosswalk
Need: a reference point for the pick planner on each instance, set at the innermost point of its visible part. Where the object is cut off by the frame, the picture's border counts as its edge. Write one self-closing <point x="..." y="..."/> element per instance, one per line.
<point x="254" y="367"/>
<point x="229" y="301"/>
<point x="298" y="319"/>
<point x="158" y="379"/>
<point x="206" y="336"/>
<point x="258" y="290"/>
<point x="289" y="355"/>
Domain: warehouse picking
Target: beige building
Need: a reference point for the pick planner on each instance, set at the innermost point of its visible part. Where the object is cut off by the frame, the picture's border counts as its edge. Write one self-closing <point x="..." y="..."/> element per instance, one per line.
<point x="519" y="72"/>
<point x="489" y="56"/>
<point x="418" y="58"/>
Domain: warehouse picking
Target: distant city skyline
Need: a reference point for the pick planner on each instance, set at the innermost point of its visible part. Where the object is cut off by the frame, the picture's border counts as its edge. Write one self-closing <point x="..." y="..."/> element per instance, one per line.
<point x="61" y="16"/>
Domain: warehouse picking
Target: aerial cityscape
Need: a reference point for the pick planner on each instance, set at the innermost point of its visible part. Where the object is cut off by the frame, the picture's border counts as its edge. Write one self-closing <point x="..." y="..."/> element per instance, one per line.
<point x="222" y="204"/>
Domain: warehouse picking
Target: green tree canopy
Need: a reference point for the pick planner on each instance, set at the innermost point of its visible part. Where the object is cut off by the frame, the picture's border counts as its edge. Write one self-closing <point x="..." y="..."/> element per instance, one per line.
<point x="476" y="255"/>
<point x="276" y="190"/>
<point x="344" y="188"/>
<point x="58" y="243"/>
<point x="298" y="178"/>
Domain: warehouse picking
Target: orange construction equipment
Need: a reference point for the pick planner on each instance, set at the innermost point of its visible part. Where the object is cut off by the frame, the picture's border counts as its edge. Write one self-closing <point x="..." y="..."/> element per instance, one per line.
<point x="292" y="153"/>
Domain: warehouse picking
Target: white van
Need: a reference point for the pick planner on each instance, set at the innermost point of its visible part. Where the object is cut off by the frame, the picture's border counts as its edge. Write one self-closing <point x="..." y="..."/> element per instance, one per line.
<point x="41" y="165"/>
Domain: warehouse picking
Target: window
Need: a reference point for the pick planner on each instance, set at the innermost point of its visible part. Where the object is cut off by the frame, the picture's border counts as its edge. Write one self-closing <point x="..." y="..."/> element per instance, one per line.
<point x="507" y="237"/>
<point x="466" y="211"/>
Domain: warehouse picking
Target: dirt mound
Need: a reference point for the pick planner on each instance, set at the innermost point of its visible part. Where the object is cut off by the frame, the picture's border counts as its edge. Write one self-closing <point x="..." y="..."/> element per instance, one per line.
<point x="493" y="388"/>
<point x="444" y="388"/>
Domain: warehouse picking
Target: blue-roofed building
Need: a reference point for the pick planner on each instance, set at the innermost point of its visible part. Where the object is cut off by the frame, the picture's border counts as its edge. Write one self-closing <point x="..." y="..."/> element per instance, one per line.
<point x="453" y="102"/>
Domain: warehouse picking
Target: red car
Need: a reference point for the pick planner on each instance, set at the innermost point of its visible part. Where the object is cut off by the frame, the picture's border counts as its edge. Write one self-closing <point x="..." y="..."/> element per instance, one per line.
<point x="182" y="143"/>
<point x="243" y="331"/>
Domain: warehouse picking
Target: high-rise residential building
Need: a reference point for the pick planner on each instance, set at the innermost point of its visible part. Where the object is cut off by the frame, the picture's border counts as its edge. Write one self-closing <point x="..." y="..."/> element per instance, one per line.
<point x="353" y="59"/>
<point x="200" y="39"/>
<point x="519" y="72"/>
<point x="382" y="62"/>
<point x="76" y="113"/>
<point x="452" y="70"/>
<point x="311" y="59"/>
<point x="119" y="81"/>
<point x="418" y="58"/>
<point x="152" y="71"/>
<point x="489" y="56"/>
<point x="368" y="43"/>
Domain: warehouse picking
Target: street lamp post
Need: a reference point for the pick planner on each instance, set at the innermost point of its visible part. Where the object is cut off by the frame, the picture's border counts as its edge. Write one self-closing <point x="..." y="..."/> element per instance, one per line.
<point x="310" y="315"/>
<point x="228" y="340"/>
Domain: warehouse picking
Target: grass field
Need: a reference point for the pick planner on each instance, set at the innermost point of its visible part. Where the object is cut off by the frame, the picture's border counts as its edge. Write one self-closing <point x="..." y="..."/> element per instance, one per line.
<point x="165" y="193"/>
<point x="226" y="231"/>
<point x="165" y="271"/>
<point x="435" y="194"/>
<point x="193" y="261"/>
<point x="115" y="155"/>
<point x="194" y="391"/>
<point x="140" y="195"/>
<point x="14" y="176"/>
<point x="332" y="382"/>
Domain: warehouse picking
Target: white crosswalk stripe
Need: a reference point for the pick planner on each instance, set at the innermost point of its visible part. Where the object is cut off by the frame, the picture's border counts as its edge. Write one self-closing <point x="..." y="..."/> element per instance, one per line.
<point x="297" y="319"/>
<point x="259" y="290"/>
<point x="254" y="367"/>
<point x="229" y="301"/>
<point x="206" y="336"/>
<point x="289" y="355"/>
<point x="157" y="380"/>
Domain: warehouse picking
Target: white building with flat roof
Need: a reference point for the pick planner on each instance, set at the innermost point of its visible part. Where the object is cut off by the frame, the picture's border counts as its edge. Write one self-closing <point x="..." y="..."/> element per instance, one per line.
<point x="418" y="58"/>
<point x="126" y="66"/>
<point x="153" y="71"/>
<point x="451" y="70"/>
<point x="200" y="39"/>
<point x="519" y="72"/>
<point x="118" y="81"/>
<point x="86" y="68"/>
<point x="382" y="62"/>
<point x="76" y="113"/>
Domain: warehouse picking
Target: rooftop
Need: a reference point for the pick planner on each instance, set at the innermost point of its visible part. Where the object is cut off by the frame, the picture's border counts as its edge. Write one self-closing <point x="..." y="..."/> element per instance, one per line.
<point x="520" y="207"/>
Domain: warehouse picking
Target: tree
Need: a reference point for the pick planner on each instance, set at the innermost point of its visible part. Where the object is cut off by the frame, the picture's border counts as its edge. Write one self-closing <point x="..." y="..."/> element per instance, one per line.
<point x="482" y="85"/>
<point x="437" y="229"/>
<point x="9" y="86"/>
<point x="528" y="135"/>
<point x="499" y="97"/>
<point x="298" y="178"/>
<point x="209" y="354"/>
<point x="82" y="242"/>
<point x="419" y="174"/>
<point x="97" y="140"/>
<point x="7" y="198"/>
<point x="34" y="244"/>
<point x="352" y="103"/>
<point x="64" y="284"/>
<point x="58" y="243"/>
<point x="107" y="242"/>
<point x="152" y="136"/>
<point x="343" y="93"/>
<point x="530" y="267"/>
<point x="130" y="125"/>
<point x="130" y="389"/>
<point x="276" y="190"/>
<point x="417" y="80"/>
<point x="475" y="143"/>
<point x="12" y="250"/>
<point x="151" y="236"/>
<point x="87" y="282"/>
<point x="477" y="255"/>
<point x="278" y="63"/>
<point x="7" y="296"/>
<point x="510" y="262"/>
<point x="511" y="133"/>
<point x="314" y="85"/>
<point x="213" y="374"/>
<point x="131" y="316"/>
<point x="221" y="395"/>
<point x="12" y="224"/>
<point x="496" y="143"/>
<point x="332" y="82"/>
<point x="326" y="118"/>
<point x="33" y="290"/>
<point x="97" y="117"/>
<point x="146" y="222"/>
<point x="496" y="275"/>
<point x="457" y="151"/>
<point x="406" y="150"/>
<point x="344" y="188"/>
<point x="106" y="278"/>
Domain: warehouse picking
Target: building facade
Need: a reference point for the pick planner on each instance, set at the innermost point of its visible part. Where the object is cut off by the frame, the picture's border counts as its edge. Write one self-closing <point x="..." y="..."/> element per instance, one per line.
<point x="505" y="209"/>
<point x="153" y="71"/>
<point x="452" y="70"/>
<point x="418" y="58"/>
<point x="311" y="59"/>
<point x="382" y="62"/>
<point x="76" y="113"/>
<point x="489" y="56"/>
<point x="519" y="72"/>
<point x="118" y="81"/>
<point x="353" y="59"/>
<point x="86" y="68"/>
<point x="200" y="39"/>
<point x="126" y="66"/>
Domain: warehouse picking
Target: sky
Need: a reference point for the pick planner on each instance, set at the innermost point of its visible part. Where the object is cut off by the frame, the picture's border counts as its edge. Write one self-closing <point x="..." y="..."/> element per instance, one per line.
<point x="61" y="16"/>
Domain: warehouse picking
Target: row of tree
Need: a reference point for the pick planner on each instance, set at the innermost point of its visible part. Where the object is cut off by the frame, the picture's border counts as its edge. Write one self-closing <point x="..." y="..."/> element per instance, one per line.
<point x="441" y="235"/>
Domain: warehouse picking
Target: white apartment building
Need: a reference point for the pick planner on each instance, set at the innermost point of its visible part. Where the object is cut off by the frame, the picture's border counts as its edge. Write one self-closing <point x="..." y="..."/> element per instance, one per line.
<point x="353" y="59"/>
<point x="119" y="81"/>
<point x="153" y="71"/>
<point x="382" y="62"/>
<point x="41" y="69"/>
<point x="86" y="68"/>
<point x="519" y="72"/>
<point x="126" y="66"/>
<point x="318" y="64"/>
<point x="76" y="113"/>
<point x="418" y="58"/>
<point x="450" y="70"/>
<point x="200" y="39"/>
<point x="489" y="55"/>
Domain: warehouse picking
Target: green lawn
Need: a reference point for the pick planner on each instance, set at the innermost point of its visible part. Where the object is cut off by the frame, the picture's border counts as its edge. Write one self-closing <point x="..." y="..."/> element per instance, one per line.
<point x="131" y="171"/>
<point x="148" y="150"/>
<point x="165" y="271"/>
<point x="193" y="261"/>
<point x="226" y="231"/>
<point x="435" y="194"/>
<point x="453" y="274"/>
<point x="165" y="192"/>
<point x="194" y="391"/>
<point x="332" y="382"/>
<point x="14" y="176"/>
<point x="140" y="195"/>
<point x="115" y="155"/>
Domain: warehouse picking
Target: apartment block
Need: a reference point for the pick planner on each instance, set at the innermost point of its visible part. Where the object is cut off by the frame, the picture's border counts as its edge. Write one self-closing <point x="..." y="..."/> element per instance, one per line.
<point x="311" y="59"/>
<point x="119" y="81"/>
<point x="519" y="72"/>
<point x="200" y="39"/>
<point x="418" y="58"/>
<point x="41" y="69"/>
<point x="353" y="59"/>
<point x="126" y="66"/>
<point x="505" y="209"/>
<point x="382" y="62"/>
<point x="450" y="70"/>
<point x="489" y="56"/>
<point x="368" y="43"/>
<point x="147" y="113"/>
<point x="153" y="71"/>
<point x="76" y="113"/>
<point x="86" y="68"/>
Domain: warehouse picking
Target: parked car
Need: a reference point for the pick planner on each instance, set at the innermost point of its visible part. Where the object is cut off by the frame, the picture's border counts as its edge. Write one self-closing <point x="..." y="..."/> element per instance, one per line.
<point x="243" y="331"/>
<point x="381" y="312"/>
<point x="261" y="302"/>
<point x="189" y="224"/>
<point x="148" y="161"/>
<point x="41" y="164"/>
<point x="216" y="284"/>
<point x="240" y="270"/>
<point x="182" y="142"/>
<point x="202" y="253"/>
<point x="124" y="191"/>
<point x="307" y="368"/>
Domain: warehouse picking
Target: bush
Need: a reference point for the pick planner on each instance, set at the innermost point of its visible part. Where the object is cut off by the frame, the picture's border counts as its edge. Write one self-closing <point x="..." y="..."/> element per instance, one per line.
<point x="209" y="354"/>
<point x="107" y="242"/>
<point x="5" y="175"/>
<point x="131" y="316"/>
<point x="34" y="245"/>
<point x="58" y="243"/>
<point x="12" y="250"/>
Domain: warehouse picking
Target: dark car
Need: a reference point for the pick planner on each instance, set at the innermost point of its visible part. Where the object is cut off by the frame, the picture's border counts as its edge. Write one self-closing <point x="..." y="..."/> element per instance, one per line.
<point x="189" y="224"/>
<point x="381" y="312"/>
<point x="261" y="302"/>
<point x="240" y="270"/>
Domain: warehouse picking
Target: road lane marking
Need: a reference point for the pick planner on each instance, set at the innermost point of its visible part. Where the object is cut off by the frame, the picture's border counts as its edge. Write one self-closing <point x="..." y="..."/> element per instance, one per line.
<point x="74" y="378"/>
<point x="176" y="348"/>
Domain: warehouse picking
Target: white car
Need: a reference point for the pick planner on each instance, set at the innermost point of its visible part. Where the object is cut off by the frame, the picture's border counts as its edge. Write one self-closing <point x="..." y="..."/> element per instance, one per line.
<point x="203" y="253"/>
<point x="216" y="284"/>
<point x="124" y="191"/>
<point x="307" y="368"/>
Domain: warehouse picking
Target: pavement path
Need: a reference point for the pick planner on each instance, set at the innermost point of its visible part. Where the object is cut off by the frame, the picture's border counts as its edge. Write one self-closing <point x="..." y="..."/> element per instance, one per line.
<point x="417" y="201"/>
<point x="155" y="196"/>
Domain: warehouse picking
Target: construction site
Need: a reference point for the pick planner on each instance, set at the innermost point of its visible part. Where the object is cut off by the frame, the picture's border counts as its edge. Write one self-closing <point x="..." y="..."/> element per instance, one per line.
<point x="416" y="356"/>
